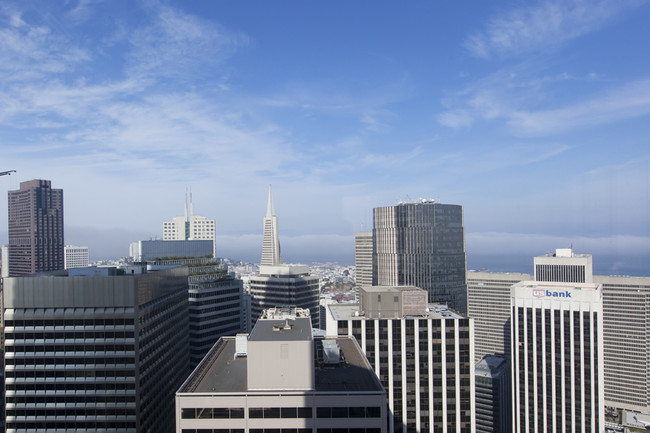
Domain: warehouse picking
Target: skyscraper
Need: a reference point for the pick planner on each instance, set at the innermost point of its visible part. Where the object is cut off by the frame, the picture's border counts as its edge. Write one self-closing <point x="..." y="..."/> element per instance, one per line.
<point x="493" y="402"/>
<point x="422" y="244"/>
<point x="271" y="242"/>
<point x="363" y="258"/>
<point x="277" y="284"/>
<point x="215" y="295"/>
<point x="90" y="350"/>
<point x="488" y="303"/>
<point x="35" y="228"/>
<point x="626" y="322"/>
<point x="421" y="353"/>
<point x="557" y="357"/>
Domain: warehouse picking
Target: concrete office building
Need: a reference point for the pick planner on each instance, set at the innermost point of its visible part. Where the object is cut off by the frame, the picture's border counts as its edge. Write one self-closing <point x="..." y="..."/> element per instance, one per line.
<point x="488" y="303"/>
<point x="144" y="251"/>
<point x="284" y="285"/>
<point x="278" y="284"/>
<point x="422" y="244"/>
<point x="626" y="327"/>
<point x="493" y="395"/>
<point x="4" y="262"/>
<point x="422" y="354"/>
<point x="363" y="261"/>
<point x="564" y="266"/>
<point x="215" y="301"/>
<point x="557" y="357"/>
<point x="626" y="323"/>
<point x="95" y="353"/>
<point x="281" y="379"/>
<point x="35" y="228"/>
<point x="75" y="257"/>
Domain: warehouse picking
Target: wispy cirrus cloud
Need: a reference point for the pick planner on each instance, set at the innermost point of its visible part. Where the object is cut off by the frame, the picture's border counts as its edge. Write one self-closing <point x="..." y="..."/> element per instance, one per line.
<point x="544" y="24"/>
<point x="627" y="101"/>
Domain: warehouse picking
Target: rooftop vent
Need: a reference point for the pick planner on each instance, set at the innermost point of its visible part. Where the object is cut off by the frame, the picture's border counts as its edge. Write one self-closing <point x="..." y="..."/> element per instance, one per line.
<point x="241" y="345"/>
<point x="331" y="353"/>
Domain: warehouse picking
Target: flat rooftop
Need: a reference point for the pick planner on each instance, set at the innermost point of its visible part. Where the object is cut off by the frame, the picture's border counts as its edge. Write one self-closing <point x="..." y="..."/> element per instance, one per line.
<point x="298" y="329"/>
<point x="221" y="372"/>
<point x="349" y="311"/>
<point x="393" y="289"/>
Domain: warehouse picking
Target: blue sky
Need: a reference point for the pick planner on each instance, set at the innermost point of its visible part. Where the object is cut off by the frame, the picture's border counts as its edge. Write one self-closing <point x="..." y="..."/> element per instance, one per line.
<point x="532" y="115"/>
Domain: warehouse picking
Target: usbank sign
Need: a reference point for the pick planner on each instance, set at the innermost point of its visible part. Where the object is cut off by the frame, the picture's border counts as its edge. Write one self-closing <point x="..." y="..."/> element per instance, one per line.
<point x="543" y="293"/>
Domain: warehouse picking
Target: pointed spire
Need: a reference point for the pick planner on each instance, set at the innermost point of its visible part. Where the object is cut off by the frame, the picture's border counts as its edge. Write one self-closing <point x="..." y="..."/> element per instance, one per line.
<point x="271" y="241"/>
<point x="269" y="206"/>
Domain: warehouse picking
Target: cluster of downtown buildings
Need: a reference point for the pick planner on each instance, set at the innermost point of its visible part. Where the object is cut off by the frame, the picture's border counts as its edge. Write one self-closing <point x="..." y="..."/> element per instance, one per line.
<point x="172" y="342"/>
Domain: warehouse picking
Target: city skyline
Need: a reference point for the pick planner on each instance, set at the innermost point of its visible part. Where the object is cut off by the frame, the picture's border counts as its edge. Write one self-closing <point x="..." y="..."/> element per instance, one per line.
<point x="532" y="117"/>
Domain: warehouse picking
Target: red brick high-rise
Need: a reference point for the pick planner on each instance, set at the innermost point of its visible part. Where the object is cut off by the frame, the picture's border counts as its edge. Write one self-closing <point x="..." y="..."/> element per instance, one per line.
<point x="35" y="228"/>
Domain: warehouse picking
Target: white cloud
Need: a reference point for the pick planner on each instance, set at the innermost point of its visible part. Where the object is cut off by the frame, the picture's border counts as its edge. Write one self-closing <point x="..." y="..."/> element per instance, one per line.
<point x="544" y="24"/>
<point x="628" y="101"/>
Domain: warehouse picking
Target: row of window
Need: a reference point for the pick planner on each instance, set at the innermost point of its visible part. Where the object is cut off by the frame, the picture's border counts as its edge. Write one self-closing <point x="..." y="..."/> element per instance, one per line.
<point x="282" y="412"/>
<point x="69" y="322"/>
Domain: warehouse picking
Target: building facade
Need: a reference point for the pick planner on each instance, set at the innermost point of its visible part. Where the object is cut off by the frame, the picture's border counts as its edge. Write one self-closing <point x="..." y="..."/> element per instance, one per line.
<point x="557" y="357"/>
<point x="190" y="226"/>
<point x="284" y="285"/>
<point x="280" y="379"/>
<point x="75" y="257"/>
<point x="144" y="251"/>
<point x="564" y="266"/>
<point x="95" y="353"/>
<point x="422" y="354"/>
<point x="488" y="303"/>
<point x="493" y="395"/>
<point x="35" y="228"/>
<point x="422" y="244"/>
<point x="215" y="302"/>
<point x="363" y="261"/>
<point x="626" y="327"/>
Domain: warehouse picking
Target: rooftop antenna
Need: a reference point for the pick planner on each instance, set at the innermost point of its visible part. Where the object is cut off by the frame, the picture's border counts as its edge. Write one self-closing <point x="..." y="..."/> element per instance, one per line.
<point x="191" y="204"/>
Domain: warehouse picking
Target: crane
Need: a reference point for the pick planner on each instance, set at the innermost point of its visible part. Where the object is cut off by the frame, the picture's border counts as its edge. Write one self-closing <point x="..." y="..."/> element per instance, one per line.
<point x="5" y="173"/>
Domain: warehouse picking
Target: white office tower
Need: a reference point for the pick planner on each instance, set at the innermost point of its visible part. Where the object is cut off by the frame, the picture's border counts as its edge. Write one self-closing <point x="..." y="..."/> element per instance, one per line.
<point x="557" y="357"/>
<point x="488" y="303"/>
<point x="564" y="266"/>
<point x="626" y="327"/>
<point x="189" y="226"/>
<point x="75" y="257"/>
<point x="281" y="379"/>
<point x="421" y="353"/>
<point x="271" y="242"/>
<point x="363" y="262"/>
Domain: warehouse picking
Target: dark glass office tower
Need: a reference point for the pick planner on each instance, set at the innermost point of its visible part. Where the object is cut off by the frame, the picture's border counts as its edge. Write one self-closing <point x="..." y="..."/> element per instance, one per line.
<point x="422" y="244"/>
<point x="35" y="228"/>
